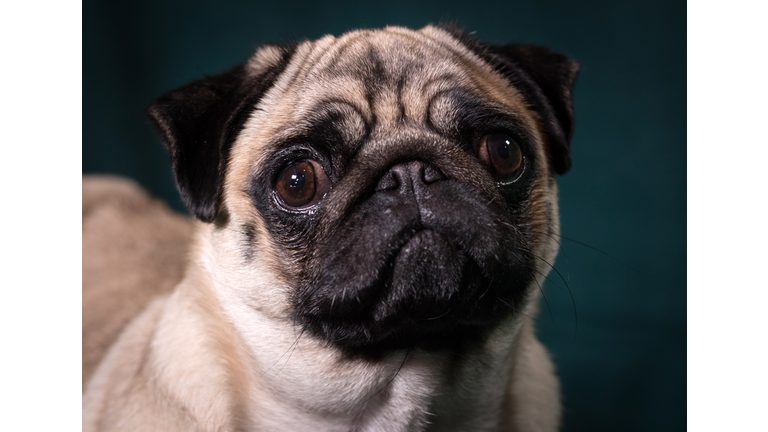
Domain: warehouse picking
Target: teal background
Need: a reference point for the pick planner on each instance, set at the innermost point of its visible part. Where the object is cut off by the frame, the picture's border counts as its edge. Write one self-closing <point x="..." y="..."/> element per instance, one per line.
<point x="622" y="360"/>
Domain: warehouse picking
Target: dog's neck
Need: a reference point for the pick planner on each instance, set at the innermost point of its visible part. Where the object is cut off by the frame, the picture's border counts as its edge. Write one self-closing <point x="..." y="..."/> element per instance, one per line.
<point x="281" y="379"/>
<point x="317" y="388"/>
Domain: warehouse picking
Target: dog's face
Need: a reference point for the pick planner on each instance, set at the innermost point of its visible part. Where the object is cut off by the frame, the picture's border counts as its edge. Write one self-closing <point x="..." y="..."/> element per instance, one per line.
<point x="383" y="189"/>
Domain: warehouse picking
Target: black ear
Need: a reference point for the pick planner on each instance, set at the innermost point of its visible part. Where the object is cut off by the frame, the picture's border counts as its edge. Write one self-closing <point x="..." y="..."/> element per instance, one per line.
<point x="554" y="76"/>
<point x="545" y="79"/>
<point x="199" y="122"/>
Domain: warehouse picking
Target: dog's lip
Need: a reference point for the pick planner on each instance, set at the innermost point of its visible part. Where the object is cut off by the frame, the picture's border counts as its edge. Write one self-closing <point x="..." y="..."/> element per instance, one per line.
<point x="405" y="242"/>
<point x="413" y="235"/>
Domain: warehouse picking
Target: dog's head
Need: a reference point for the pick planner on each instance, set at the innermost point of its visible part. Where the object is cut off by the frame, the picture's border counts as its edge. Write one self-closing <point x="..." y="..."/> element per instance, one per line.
<point x="381" y="189"/>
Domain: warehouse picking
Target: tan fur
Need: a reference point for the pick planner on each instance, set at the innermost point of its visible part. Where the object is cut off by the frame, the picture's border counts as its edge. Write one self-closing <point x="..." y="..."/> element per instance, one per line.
<point x="534" y="396"/>
<point x="221" y="352"/>
<point x="134" y="250"/>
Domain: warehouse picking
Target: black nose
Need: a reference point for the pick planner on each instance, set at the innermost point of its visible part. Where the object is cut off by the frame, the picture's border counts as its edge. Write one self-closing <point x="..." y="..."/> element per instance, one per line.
<point x="409" y="176"/>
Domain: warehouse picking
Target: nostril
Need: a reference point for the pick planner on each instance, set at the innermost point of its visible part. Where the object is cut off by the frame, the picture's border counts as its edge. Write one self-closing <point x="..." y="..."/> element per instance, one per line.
<point x="431" y="174"/>
<point x="409" y="176"/>
<point x="388" y="182"/>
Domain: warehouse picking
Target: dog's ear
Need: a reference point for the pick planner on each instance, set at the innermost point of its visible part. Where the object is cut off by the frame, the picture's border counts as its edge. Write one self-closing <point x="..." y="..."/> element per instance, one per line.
<point x="199" y="122"/>
<point x="545" y="79"/>
<point x="555" y="76"/>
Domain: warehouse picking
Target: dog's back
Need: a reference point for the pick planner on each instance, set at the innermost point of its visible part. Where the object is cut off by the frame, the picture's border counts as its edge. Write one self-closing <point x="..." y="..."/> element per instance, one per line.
<point x="134" y="250"/>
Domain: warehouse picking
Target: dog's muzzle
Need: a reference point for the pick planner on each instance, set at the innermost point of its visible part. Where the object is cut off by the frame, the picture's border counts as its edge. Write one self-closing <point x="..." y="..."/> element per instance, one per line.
<point x="423" y="256"/>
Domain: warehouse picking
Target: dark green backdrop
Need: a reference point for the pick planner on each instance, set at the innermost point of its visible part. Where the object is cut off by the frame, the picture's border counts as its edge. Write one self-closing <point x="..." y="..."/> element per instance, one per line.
<point x="623" y="361"/>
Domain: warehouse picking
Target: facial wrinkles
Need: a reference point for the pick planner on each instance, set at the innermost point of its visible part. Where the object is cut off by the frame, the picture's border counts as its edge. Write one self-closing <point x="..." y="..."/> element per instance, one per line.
<point x="405" y="94"/>
<point x="325" y="72"/>
<point x="398" y="91"/>
<point x="382" y="88"/>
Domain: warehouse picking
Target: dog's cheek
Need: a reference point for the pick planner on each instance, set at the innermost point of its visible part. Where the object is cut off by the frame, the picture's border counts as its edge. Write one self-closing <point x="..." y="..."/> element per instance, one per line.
<point x="545" y="222"/>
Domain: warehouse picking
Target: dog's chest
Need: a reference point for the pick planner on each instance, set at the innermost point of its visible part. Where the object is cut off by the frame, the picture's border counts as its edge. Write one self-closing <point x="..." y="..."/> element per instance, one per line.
<point x="408" y="391"/>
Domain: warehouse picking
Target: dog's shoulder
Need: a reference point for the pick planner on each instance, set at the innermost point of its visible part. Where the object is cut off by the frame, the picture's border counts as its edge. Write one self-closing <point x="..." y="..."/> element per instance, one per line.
<point x="134" y="250"/>
<point x="533" y="402"/>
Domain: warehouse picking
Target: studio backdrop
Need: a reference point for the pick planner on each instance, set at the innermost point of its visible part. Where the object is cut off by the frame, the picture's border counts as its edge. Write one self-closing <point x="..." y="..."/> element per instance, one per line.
<point x="614" y="318"/>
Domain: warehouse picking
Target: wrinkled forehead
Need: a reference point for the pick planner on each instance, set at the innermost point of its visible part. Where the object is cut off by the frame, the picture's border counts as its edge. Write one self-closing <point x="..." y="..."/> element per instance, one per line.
<point x="365" y="86"/>
<point x="369" y="84"/>
<point x="391" y="75"/>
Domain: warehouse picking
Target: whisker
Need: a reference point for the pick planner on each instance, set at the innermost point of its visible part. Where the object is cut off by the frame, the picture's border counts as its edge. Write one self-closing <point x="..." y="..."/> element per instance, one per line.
<point x="517" y="231"/>
<point x="281" y="357"/>
<point x="551" y="317"/>
<point x="560" y="245"/>
<point x="553" y="268"/>
<point x="440" y="316"/>
<point x="505" y="303"/>
<point x="600" y="251"/>
<point x="570" y="293"/>
<point x="393" y="378"/>
<point x="550" y="280"/>
<point x="514" y="309"/>
<point x="486" y="290"/>
<point x="295" y="345"/>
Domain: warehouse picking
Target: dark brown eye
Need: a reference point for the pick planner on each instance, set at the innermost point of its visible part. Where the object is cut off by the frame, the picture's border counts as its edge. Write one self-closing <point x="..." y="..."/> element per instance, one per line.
<point x="503" y="156"/>
<point x="302" y="184"/>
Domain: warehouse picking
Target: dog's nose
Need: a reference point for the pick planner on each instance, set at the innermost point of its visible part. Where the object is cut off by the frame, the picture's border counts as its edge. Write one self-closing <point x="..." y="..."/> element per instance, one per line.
<point x="409" y="177"/>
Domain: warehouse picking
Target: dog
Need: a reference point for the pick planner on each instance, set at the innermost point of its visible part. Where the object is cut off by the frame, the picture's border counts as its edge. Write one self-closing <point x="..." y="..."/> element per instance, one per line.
<point x="374" y="216"/>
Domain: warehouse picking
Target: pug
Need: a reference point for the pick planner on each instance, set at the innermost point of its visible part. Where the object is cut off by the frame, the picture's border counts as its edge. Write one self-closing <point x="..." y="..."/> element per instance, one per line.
<point x="374" y="214"/>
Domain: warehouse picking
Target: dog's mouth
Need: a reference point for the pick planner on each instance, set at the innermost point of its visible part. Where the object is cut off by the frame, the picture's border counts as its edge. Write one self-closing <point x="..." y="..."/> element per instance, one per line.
<point x="428" y="291"/>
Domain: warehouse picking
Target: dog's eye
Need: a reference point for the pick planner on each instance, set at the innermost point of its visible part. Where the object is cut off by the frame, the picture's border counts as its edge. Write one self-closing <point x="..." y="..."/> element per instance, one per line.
<point x="502" y="155"/>
<point x="302" y="184"/>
